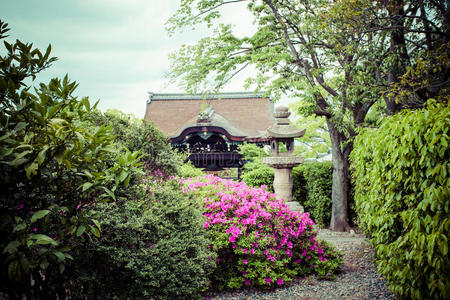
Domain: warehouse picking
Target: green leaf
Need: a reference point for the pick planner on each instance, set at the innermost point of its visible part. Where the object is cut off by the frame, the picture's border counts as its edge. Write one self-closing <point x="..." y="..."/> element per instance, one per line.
<point x="14" y="270"/>
<point x="123" y="175"/>
<point x="61" y="257"/>
<point x="19" y="227"/>
<point x="110" y="193"/>
<point x="86" y="186"/>
<point x="41" y="156"/>
<point x="97" y="224"/>
<point x="11" y="247"/>
<point x="39" y="215"/>
<point x="81" y="229"/>
<point x="42" y="239"/>
<point x="31" y="170"/>
<point x="95" y="231"/>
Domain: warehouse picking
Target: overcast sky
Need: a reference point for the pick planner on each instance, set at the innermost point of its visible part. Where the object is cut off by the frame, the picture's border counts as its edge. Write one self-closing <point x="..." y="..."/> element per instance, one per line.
<point x="117" y="50"/>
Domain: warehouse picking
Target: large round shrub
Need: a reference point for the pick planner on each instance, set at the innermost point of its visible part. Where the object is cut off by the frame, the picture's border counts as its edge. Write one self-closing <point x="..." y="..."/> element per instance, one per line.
<point x="154" y="247"/>
<point x="258" y="240"/>
<point x="402" y="185"/>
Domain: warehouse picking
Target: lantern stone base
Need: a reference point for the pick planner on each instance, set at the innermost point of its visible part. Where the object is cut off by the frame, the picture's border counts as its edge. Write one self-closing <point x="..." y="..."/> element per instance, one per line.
<point x="282" y="186"/>
<point x="295" y="206"/>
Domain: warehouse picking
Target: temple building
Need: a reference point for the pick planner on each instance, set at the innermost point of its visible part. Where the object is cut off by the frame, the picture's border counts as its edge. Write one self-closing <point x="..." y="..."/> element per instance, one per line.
<point x="211" y="128"/>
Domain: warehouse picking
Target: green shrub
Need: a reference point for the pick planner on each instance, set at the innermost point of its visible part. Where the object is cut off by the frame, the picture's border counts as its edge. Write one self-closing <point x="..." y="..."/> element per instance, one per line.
<point x="260" y="175"/>
<point x="188" y="170"/>
<point x="154" y="247"/>
<point x="52" y="170"/>
<point x="401" y="175"/>
<point x="255" y="173"/>
<point x="312" y="189"/>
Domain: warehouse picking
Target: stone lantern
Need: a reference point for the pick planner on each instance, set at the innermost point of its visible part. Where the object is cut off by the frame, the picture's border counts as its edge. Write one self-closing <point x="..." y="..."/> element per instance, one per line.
<point x="282" y="131"/>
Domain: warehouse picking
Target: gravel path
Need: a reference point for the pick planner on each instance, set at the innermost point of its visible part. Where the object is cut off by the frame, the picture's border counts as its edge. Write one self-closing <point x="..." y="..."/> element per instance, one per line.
<point x="358" y="278"/>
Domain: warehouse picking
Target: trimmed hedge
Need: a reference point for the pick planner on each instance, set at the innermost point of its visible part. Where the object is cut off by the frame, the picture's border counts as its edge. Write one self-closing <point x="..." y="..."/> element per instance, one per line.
<point x="402" y="184"/>
<point x="260" y="175"/>
<point x="312" y="189"/>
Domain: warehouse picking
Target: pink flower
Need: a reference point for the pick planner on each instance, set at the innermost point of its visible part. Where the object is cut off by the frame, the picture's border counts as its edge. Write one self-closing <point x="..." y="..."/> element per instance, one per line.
<point x="247" y="281"/>
<point x="280" y="281"/>
<point x="268" y="280"/>
<point x="244" y="261"/>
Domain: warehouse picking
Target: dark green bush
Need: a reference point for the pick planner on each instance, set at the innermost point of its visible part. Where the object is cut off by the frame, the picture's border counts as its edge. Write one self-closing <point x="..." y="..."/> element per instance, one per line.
<point x="312" y="189"/>
<point x="401" y="175"/>
<point x="154" y="247"/>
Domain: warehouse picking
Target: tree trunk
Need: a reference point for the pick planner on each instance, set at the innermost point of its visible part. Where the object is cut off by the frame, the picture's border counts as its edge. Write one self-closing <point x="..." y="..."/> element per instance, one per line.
<point x="340" y="188"/>
<point x="398" y="48"/>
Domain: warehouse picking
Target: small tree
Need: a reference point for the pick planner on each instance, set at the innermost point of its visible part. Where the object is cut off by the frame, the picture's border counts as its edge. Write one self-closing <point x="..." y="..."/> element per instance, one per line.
<point x="304" y="48"/>
<point x="51" y="170"/>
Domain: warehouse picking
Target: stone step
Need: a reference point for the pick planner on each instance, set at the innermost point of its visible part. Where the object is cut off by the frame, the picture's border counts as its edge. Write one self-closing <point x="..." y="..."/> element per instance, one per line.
<point x="295" y="206"/>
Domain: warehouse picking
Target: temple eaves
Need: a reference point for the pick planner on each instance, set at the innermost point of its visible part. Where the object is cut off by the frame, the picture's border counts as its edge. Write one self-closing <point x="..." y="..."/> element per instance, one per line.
<point x="183" y="96"/>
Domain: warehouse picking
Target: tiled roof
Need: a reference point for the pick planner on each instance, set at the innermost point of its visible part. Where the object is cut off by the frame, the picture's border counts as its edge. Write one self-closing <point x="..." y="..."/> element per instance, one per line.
<point x="249" y="113"/>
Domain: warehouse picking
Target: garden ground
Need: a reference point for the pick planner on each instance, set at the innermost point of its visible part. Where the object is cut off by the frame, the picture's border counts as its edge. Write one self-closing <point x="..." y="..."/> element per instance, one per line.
<point x="358" y="278"/>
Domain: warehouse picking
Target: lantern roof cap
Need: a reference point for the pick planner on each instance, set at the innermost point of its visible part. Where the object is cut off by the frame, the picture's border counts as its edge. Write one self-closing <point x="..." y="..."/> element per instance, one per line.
<point x="282" y="128"/>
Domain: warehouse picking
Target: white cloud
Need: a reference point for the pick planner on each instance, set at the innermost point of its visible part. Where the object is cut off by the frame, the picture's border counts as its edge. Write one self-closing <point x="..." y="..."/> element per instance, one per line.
<point x="116" y="49"/>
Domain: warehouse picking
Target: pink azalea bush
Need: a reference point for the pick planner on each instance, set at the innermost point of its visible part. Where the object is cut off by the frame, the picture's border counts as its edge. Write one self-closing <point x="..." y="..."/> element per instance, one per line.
<point x="258" y="240"/>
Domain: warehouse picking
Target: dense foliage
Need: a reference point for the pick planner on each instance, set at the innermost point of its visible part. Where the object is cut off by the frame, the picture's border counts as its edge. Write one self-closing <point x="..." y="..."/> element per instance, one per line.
<point x="258" y="240"/>
<point x="139" y="135"/>
<point x="312" y="189"/>
<point x="261" y="175"/>
<point x="255" y="173"/>
<point x="52" y="169"/>
<point x="402" y="185"/>
<point x="154" y="246"/>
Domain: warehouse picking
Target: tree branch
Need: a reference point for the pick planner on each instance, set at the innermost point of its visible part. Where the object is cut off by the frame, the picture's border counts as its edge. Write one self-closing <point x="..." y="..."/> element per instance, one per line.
<point x="215" y="7"/>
